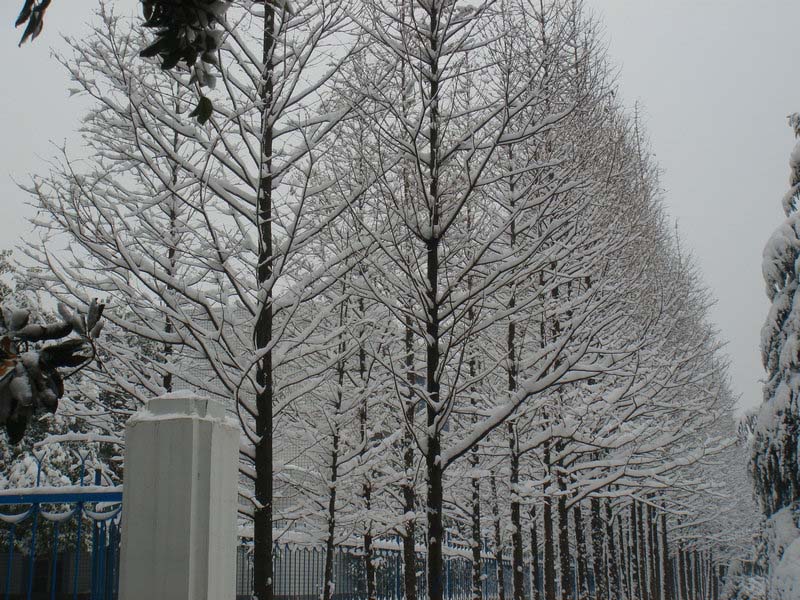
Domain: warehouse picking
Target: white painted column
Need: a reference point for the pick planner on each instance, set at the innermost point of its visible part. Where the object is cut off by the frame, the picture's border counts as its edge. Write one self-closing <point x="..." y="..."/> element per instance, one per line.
<point x="179" y="501"/>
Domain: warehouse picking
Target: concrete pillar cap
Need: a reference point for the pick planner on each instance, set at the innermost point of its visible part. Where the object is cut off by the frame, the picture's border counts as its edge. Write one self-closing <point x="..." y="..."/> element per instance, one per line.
<point x="185" y="403"/>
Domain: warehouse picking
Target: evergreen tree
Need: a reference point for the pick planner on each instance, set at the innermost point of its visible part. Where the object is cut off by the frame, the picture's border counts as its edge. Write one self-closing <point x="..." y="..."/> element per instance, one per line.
<point x="776" y="459"/>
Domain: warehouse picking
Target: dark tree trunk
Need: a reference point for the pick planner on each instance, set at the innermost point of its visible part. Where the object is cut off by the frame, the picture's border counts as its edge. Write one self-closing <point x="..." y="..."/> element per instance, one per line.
<point x="369" y="562"/>
<point x="563" y="535"/>
<point x="330" y="548"/>
<point x="581" y="553"/>
<point x="433" y="464"/>
<point x="536" y="583"/>
<point x="409" y="490"/>
<point x="667" y="580"/>
<point x="409" y="494"/>
<point x="596" y="535"/>
<point x="435" y="501"/>
<point x="517" y="550"/>
<point x="626" y="579"/>
<point x="644" y="587"/>
<point x="477" y="560"/>
<point x="498" y="541"/>
<point x="614" y="590"/>
<point x="329" y="541"/>
<point x="696" y="575"/>
<point x="547" y="527"/>
<point x="712" y="577"/>
<point x="682" y="570"/>
<point x="262" y="515"/>
<point x="366" y="488"/>
<point x="172" y="261"/>
<point x="654" y="555"/>
<point x="699" y="583"/>
<point x="633" y="554"/>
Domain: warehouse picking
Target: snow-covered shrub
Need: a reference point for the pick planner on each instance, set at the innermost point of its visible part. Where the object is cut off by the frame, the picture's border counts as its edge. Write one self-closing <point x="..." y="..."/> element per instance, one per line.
<point x="783" y="553"/>
<point x="747" y="588"/>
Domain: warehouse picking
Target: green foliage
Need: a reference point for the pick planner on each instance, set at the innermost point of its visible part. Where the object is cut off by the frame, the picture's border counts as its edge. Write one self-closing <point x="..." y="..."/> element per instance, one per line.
<point x="203" y="110"/>
<point x="30" y="376"/>
<point x="32" y="13"/>
<point x="775" y="457"/>
<point x="185" y="34"/>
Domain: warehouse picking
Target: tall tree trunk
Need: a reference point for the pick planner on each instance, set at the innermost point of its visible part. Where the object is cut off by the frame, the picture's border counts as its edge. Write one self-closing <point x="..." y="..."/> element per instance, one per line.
<point x="614" y="589"/>
<point x="599" y="574"/>
<point x="536" y="583"/>
<point x="654" y="555"/>
<point x="434" y="471"/>
<point x="699" y="583"/>
<point x="644" y="587"/>
<point x="517" y="550"/>
<point x="667" y="581"/>
<point x="625" y="571"/>
<point x="697" y="575"/>
<point x="330" y="536"/>
<point x="547" y="527"/>
<point x="581" y="554"/>
<point x="328" y="581"/>
<point x="690" y="580"/>
<point x="682" y="570"/>
<point x="409" y="489"/>
<point x="172" y="260"/>
<point x="409" y="493"/>
<point x="262" y="515"/>
<point x="366" y="488"/>
<point x="477" y="560"/>
<point x="712" y="577"/>
<point x="633" y="554"/>
<point x="564" y="556"/>
<point x="434" y="467"/>
<point x="498" y="541"/>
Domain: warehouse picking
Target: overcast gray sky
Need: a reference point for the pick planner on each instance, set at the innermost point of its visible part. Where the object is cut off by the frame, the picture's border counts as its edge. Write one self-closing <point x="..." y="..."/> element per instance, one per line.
<point x="715" y="80"/>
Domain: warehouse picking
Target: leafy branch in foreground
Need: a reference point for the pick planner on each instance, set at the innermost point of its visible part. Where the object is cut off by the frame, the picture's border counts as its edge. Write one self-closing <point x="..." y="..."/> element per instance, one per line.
<point x="32" y="13"/>
<point x="185" y="32"/>
<point x="30" y="380"/>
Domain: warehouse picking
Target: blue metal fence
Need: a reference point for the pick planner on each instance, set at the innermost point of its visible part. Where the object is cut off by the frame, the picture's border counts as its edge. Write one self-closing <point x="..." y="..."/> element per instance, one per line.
<point x="60" y="543"/>
<point x="63" y="543"/>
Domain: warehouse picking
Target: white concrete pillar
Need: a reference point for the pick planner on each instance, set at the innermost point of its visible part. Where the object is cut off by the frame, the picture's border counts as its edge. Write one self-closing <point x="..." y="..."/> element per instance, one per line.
<point x="179" y="501"/>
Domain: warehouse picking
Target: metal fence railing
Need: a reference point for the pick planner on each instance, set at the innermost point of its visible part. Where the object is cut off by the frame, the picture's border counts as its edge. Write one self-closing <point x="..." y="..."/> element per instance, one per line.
<point x="63" y="543"/>
<point x="299" y="573"/>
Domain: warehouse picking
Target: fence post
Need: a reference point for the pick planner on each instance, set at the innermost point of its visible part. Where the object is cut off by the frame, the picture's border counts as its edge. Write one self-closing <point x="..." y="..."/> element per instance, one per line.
<point x="179" y="501"/>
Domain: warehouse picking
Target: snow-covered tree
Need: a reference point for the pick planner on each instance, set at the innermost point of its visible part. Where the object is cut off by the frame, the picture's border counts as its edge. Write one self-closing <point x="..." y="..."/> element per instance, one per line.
<point x="776" y="440"/>
<point x="213" y="285"/>
<point x="776" y="456"/>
